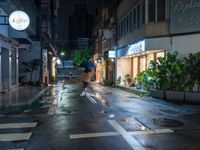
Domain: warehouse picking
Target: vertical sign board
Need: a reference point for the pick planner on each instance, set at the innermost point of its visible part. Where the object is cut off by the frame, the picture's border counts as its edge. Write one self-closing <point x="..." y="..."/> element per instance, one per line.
<point x="44" y="60"/>
<point x="184" y="16"/>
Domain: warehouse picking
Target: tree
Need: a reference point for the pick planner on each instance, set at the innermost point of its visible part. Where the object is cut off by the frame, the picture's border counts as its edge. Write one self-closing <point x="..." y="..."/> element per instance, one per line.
<point x="29" y="67"/>
<point x="82" y="56"/>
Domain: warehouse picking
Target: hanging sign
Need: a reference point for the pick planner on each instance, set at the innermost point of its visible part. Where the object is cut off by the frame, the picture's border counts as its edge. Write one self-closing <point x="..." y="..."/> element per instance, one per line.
<point x="19" y="20"/>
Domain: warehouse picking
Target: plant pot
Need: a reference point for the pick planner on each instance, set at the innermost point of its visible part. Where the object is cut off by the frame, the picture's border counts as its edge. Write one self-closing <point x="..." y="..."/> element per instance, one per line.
<point x="192" y="97"/>
<point x="157" y="93"/>
<point x="177" y="96"/>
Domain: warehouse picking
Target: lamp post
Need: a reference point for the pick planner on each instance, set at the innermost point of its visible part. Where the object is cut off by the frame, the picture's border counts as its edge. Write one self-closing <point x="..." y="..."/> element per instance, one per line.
<point x="62" y="54"/>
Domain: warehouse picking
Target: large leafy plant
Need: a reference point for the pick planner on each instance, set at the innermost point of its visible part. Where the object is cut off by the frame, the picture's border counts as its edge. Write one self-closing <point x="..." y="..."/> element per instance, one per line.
<point x="192" y="71"/>
<point x="82" y="56"/>
<point x="175" y="72"/>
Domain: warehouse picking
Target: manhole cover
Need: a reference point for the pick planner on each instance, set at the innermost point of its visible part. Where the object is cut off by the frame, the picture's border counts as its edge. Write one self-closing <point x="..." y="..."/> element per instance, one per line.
<point x="167" y="122"/>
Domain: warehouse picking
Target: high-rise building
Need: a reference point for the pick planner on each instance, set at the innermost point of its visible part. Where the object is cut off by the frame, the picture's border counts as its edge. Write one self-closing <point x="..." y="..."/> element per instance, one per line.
<point x="80" y="24"/>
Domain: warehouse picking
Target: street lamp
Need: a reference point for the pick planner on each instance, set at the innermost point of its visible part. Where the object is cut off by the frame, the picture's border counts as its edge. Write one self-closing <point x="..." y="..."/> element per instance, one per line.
<point x="62" y="54"/>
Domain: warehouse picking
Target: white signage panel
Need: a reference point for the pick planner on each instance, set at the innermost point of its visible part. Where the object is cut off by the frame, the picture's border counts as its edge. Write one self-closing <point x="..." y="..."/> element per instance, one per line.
<point x="136" y="48"/>
<point x="111" y="54"/>
<point x="19" y="20"/>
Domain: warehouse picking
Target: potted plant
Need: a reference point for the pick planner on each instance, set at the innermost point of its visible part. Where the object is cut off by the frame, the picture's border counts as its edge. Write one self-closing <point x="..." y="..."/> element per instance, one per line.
<point x="175" y="76"/>
<point x="128" y="79"/>
<point x="158" y="76"/>
<point x="118" y="81"/>
<point x="191" y="66"/>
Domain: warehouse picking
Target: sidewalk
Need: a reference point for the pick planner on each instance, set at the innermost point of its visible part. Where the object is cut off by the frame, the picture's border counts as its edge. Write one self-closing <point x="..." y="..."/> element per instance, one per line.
<point x="19" y="96"/>
<point x="130" y="100"/>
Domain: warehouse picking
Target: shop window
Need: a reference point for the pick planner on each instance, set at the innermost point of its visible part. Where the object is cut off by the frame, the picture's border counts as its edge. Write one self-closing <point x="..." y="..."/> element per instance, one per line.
<point x="142" y="63"/>
<point x="135" y="66"/>
<point x="160" y="54"/>
<point x="151" y="11"/>
<point x="161" y="10"/>
<point x="150" y="57"/>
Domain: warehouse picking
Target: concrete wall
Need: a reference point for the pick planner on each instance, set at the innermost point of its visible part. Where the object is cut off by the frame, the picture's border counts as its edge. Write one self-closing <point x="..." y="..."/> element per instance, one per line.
<point x="186" y="44"/>
<point x="4" y="30"/>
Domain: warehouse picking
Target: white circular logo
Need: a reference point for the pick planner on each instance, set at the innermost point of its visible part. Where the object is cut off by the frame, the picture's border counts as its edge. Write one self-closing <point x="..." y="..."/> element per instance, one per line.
<point x="19" y="20"/>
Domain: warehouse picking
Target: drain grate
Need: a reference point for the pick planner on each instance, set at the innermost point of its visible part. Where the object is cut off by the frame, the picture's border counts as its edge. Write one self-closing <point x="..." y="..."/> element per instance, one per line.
<point x="167" y="122"/>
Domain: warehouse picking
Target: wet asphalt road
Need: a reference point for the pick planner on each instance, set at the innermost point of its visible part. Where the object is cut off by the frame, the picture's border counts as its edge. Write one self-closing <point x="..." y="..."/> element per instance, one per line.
<point x="66" y="121"/>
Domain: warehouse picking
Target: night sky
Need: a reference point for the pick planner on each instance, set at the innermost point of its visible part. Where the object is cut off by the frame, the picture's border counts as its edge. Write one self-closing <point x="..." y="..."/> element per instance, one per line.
<point x="66" y="8"/>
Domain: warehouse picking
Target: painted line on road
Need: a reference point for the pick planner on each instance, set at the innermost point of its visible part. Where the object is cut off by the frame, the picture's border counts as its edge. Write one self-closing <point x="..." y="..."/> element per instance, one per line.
<point x="132" y="133"/>
<point x="15" y="136"/>
<point x="93" y="101"/>
<point x="16" y="149"/>
<point x="17" y="125"/>
<point x="92" y="135"/>
<point x="127" y="137"/>
<point x="38" y="95"/>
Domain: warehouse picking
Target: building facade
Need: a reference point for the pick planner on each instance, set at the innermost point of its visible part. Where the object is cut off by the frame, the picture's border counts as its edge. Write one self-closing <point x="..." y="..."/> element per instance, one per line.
<point x="105" y="41"/>
<point x="142" y="26"/>
<point x="14" y="43"/>
<point x="49" y="13"/>
<point x="22" y="49"/>
<point x="148" y="29"/>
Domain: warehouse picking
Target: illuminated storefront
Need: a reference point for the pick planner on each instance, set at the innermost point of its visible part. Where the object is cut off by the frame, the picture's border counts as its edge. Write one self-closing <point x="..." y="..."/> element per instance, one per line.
<point x="136" y="58"/>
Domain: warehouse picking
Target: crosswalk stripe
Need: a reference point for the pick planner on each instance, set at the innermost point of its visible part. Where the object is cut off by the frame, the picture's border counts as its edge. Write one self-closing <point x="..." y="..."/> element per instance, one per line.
<point x="15" y="136"/>
<point x="16" y="149"/>
<point x="17" y="125"/>
<point x="90" y="135"/>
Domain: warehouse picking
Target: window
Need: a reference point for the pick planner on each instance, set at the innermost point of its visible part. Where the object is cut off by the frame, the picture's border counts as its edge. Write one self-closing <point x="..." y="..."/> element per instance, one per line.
<point x="130" y="21"/>
<point x="138" y="16"/>
<point x="127" y="24"/>
<point x="143" y="12"/>
<point x="161" y="10"/>
<point x="134" y="19"/>
<point x="123" y="27"/>
<point x="120" y="28"/>
<point x="151" y="11"/>
<point x="13" y="64"/>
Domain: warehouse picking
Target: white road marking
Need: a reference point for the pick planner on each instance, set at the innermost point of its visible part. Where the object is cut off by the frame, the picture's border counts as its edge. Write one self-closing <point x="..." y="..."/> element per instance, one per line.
<point x="38" y="95"/>
<point x="17" y="125"/>
<point x="132" y="133"/>
<point x="90" y="98"/>
<point x="16" y="149"/>
<point x="15" y="136"/>
<point x="92" y="135"/>
<point x="129" y="139"/>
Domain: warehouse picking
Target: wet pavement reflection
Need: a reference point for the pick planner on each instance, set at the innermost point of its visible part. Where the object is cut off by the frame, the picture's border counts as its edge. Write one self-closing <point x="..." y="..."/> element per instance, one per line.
<point x="118" y="120"/>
